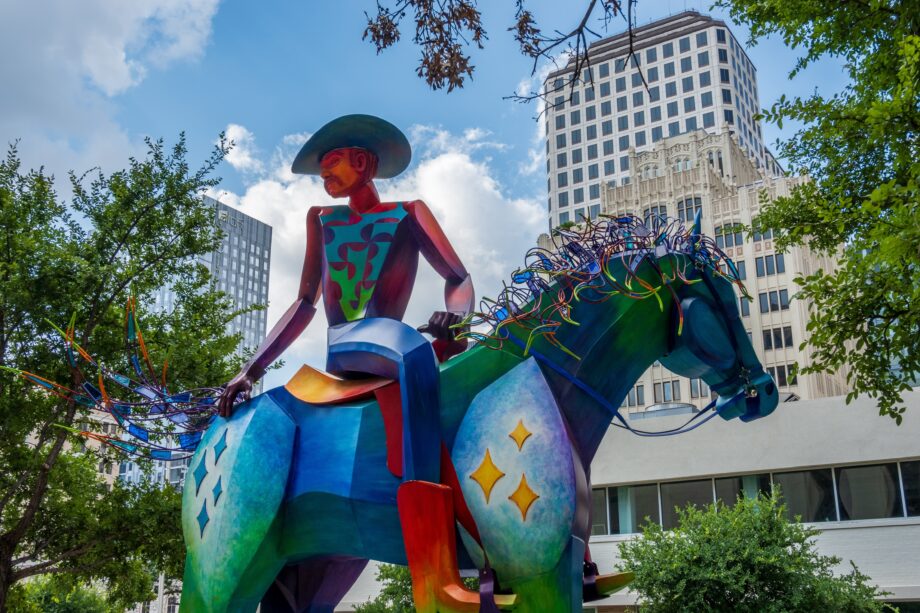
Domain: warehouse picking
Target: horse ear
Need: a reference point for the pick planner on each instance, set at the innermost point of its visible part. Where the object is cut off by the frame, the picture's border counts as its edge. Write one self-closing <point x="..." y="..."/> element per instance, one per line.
<point x="697" y="225"/>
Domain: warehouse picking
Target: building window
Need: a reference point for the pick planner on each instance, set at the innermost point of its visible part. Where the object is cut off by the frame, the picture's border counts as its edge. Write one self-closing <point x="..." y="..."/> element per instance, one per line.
<point x="590" y="113"/>
<point x="652" y="74"/>
<point x="698" y="389"/>
<point x="727" y="96"/>
<point x="689" y="104"/>
<point x="622" y="103"/>
<point x="606" y="108"/>
<point x="701" y="39"/>
<point x="608" y="146"/>
<point x="729" y="116"/>
<point x="688" y="208"/>
<point x="578" y="175"/>
<point x="869" y="492"/>
<point x="599" y="520"/>
<point x="723" y="56"/>
<point x="603" y="70"/>
<point x="640" y="138"/>
<point x="650" y="213"/>
<point x="624" y="163"/>
<point x="686" y="64"/>
<point x="562" y="179"/>
<point x="607" y="127"/>
<point x="636" y="79"/>
<point x="576" y="156"/>
<point x="705" y="79"/>
<point x="745" y="307"/>
<point x="560" y="140"/>
<point x="560" y="122"/>
<point x="730" y="489"/>
<point x="808" y="494"/>
<point x="605" y="89"/>
<point x="910" y="473"/>
<point x="623" y="123"/>
<point x="684" y="44"/>
<point x="706" y="99"/>
<point x="563" y="199"/>
<point x="783" y="299"/>
<point x="729" y="235"/>
<point x="591" y="132"/>
<point x="680" y="494"/>
<point x="578" y="196"/>
<point x="674" y="128"/>
<point x="655" y="113"/>
<point x="656" y="134"/>
<point x="651" y="55"/>
<point x="621" y="84"/>
<point x="668" y="391"/>
<point x="638" y="119"/>
<point x="669" y="70"/>
<point x="563" y="218"/>
<point x="594" y="191"/>
<point x="686" y="85"/>
<point x="631" y="506"/>
<point x="637" y="99"/>
<point x="720" y="36"/>
<point x="670" y="89"/>
<point x="589" y="94"/>
<point x="672" y="109"/>
<point x="609" y="168"/>
<point x="576" y="136"/>
<point x="561" y="160"/>
<point x="702" y="59"/>
<point x="667" y="50"/>
<point x="723" y="76"/>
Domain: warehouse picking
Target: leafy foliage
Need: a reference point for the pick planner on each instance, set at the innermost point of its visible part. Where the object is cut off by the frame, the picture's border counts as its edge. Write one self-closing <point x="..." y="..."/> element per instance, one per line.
<point x="396" y="592"/>
<point x="49" y="595"/>
<point x="445" y="29"/>
<point x="744" y="558"/>
<point x="128" y="233"/>
<point x="861" y="148"/>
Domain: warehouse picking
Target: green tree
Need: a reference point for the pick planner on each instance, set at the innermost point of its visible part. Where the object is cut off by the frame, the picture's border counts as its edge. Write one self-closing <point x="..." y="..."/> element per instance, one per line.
<point x="396" y="591"/>
<point x="124" y="234"/>
<point x="861" y="148"/>
<point x="745" y="558"/>
<point x="47" y="595"/>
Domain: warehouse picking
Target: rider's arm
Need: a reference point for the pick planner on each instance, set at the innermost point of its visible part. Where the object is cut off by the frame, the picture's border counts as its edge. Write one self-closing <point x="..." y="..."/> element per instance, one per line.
<point x="295" y="319"/>
<point x="434" y="245"/>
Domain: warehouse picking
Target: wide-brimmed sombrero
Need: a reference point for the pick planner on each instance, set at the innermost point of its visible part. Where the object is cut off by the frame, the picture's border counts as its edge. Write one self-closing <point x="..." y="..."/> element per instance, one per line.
<point x="366" y="131"/>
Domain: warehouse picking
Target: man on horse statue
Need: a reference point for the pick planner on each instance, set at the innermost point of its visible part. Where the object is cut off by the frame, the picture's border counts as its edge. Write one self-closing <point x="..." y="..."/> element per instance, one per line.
<point x="362" y="258"/>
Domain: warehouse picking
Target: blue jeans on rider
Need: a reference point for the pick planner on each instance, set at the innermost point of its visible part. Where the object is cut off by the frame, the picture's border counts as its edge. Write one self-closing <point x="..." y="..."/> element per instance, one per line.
<point x="390" y="348"/>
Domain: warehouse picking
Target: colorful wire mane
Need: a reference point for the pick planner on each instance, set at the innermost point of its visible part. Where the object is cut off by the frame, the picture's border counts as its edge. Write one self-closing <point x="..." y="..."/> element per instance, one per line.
<point x="580" y="267"/>
<point x="155" y="423"/>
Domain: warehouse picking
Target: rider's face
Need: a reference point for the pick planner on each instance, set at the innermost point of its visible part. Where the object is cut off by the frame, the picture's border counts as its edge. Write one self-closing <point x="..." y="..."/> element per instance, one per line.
<point x="339" y="173"/>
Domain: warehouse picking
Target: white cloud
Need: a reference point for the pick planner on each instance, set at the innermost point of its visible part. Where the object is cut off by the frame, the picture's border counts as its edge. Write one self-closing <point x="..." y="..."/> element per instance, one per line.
<point x="65" y="60"/>
<point x="490" y="230"/>
<point x="243" y="154"/>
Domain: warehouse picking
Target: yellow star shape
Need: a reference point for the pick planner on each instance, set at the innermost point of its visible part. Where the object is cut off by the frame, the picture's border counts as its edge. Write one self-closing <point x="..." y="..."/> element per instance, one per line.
<point x="523" y="497"/>
<point x="487" y="475"/>
<point x="520" y="434"/>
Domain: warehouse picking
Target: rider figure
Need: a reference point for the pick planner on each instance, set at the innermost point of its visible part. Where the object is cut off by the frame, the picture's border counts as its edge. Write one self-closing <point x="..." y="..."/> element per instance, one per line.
<point x="363" y="259"/>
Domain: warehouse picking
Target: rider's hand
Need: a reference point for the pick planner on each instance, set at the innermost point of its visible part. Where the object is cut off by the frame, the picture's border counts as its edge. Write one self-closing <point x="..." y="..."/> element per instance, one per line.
<point x="242" y="383"/>
<point x="439" y="326"/>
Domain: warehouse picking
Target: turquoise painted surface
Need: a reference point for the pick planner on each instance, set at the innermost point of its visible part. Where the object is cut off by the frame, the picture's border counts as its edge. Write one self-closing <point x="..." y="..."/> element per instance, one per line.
<point x="233" y="491"/>
<point x="518" y="547"/>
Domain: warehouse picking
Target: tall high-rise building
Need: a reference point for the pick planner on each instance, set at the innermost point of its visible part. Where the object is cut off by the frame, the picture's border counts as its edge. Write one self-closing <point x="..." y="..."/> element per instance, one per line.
<point x="240" y="268"/>
<point x="670" y="131"/>
<point x="687" y="72"/>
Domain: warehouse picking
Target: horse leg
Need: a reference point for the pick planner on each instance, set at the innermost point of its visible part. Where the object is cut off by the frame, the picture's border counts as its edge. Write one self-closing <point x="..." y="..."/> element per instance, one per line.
<point x="312" y="586"/>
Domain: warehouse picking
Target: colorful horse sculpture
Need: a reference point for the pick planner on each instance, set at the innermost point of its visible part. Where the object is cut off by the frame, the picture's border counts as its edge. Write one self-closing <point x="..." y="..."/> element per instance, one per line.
<point x="285" y="502"/>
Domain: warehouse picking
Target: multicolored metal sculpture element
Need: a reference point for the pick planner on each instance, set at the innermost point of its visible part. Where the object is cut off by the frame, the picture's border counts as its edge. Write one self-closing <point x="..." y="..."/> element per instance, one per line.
<point x="291" y="492"/>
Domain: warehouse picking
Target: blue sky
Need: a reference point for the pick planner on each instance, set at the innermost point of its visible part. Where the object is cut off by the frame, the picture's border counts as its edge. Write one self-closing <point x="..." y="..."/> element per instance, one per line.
<point x="84" y="83"/>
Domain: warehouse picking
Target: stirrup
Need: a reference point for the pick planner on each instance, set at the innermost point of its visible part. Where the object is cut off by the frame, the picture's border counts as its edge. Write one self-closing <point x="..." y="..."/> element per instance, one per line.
<point x="489" y="601"/>
<point x="596" y="586"/>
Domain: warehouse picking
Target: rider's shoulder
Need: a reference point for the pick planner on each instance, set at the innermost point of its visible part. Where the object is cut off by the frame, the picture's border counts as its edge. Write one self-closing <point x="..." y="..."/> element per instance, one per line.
<point x="315" y="212"/>
<point x="416" y="206"/>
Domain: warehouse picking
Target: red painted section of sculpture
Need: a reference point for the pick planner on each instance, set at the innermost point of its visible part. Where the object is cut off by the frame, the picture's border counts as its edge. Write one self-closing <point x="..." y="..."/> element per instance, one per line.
<point x="388" y="397"/>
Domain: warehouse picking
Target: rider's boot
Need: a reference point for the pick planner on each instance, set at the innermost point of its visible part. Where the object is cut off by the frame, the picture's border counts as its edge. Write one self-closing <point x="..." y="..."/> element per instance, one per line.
<point x="426" y="513"/>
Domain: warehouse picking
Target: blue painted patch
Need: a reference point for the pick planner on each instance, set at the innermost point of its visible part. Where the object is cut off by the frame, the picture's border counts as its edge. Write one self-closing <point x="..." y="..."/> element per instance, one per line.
<point x="201" y="471"/>
<point x="203" y="517"/>
<point x="220" y="447"/>
<point x="218" y="489"/>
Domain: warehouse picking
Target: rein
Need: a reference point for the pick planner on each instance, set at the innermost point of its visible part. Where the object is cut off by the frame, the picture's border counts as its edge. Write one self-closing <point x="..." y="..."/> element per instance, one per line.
<point x="615" y="411"/>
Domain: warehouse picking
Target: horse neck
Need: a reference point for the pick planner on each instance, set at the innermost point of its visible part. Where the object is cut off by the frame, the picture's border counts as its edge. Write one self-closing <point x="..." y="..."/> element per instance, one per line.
<point x="616" y="340"/>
